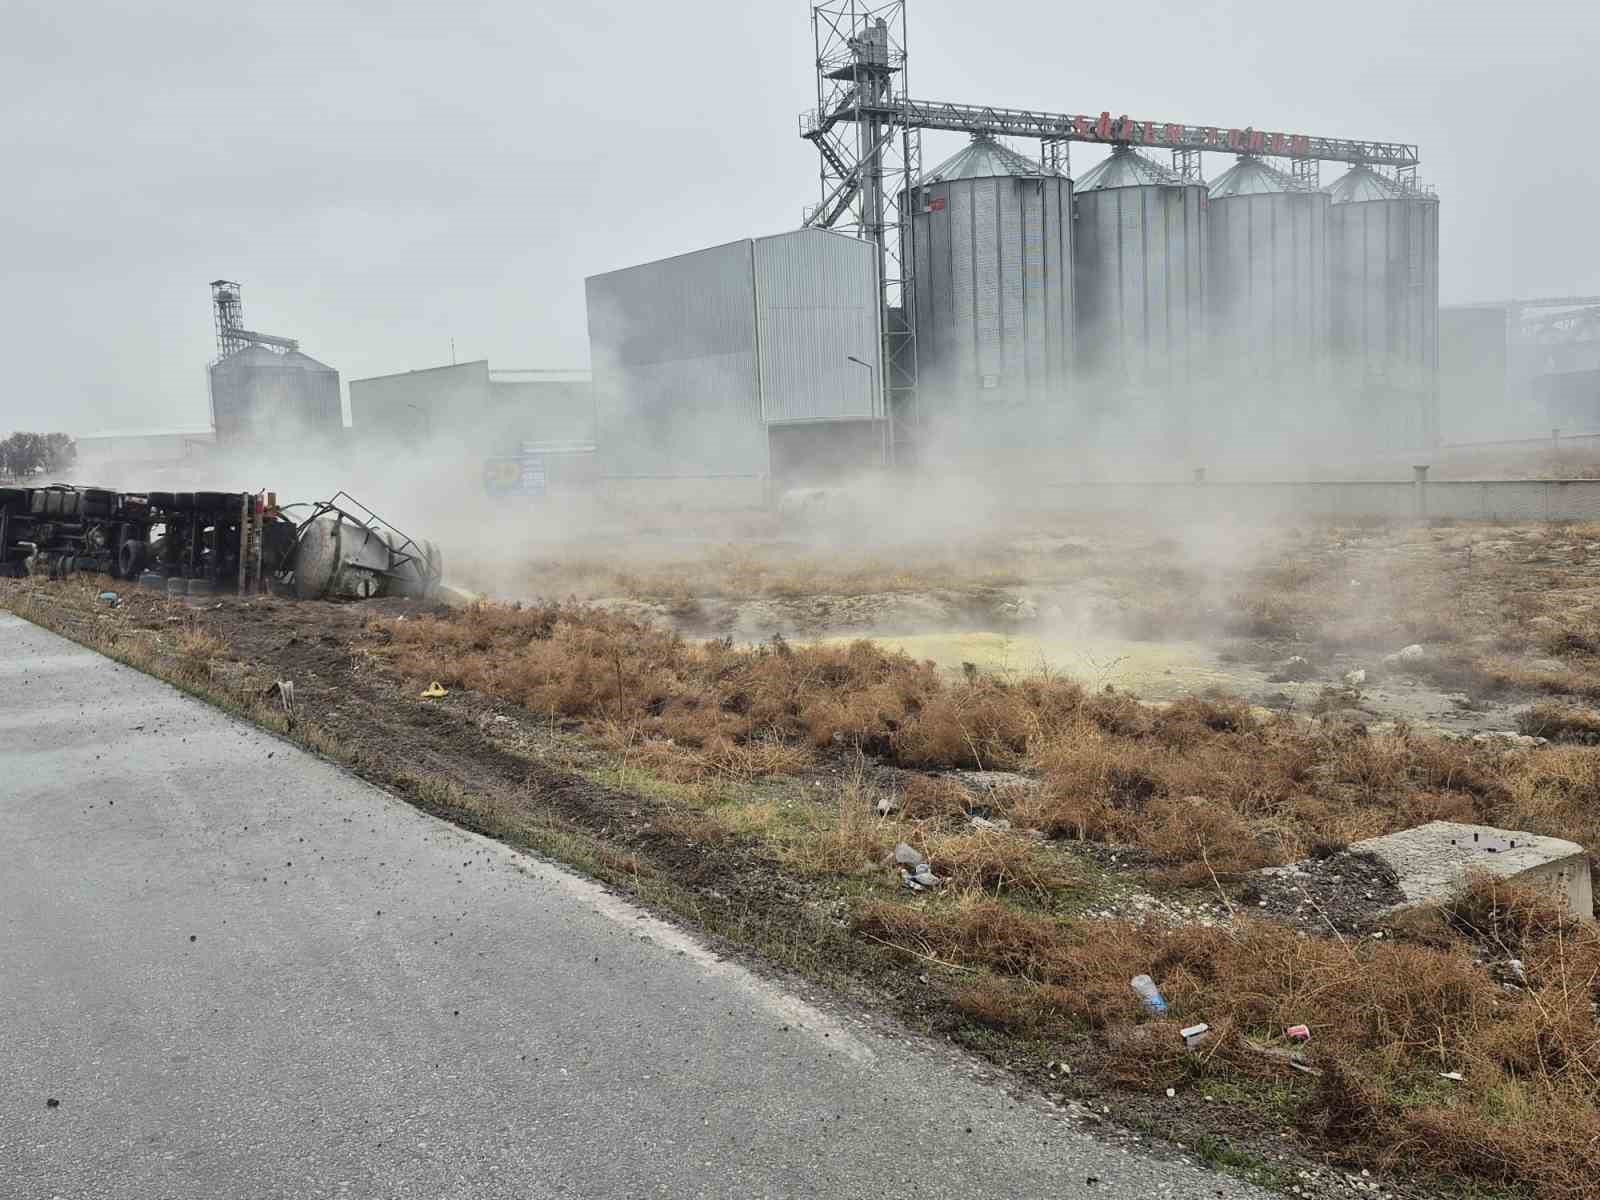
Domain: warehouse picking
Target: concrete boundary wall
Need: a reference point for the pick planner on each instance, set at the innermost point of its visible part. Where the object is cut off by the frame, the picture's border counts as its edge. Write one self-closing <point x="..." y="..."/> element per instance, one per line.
<point x="1496" y="500"/>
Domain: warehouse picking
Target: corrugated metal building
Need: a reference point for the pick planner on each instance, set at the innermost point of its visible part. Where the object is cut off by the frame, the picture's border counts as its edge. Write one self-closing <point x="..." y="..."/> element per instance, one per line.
<point x="752" y="359"/>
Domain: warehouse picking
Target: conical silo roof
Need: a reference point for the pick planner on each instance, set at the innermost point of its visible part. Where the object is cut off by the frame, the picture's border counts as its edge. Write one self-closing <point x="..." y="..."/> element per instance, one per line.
<point x="1252" y="177"/>
<point x="1126" y="168"/>
<point x="985" y="158"/>
<point x="1361" y="183"/>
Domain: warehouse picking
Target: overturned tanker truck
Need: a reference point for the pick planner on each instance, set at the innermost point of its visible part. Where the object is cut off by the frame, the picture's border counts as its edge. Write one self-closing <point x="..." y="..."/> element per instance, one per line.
<point x="214" y="541"/>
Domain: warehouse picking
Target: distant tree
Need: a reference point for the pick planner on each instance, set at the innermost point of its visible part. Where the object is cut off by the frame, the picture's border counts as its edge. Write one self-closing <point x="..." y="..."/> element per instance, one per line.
<point x="26" y="454"/>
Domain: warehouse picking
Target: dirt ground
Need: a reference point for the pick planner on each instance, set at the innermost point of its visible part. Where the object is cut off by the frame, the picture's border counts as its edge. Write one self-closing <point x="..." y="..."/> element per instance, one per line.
<point x="1310" y="624"/>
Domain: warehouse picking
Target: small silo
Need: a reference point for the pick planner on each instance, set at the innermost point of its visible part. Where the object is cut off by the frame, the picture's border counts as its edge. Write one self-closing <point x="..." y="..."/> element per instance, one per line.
<point x="1383" y="245"/>
<point x="992" y="291"/>
<point x="1139" y="251"/>
<point x="259" y="394"/>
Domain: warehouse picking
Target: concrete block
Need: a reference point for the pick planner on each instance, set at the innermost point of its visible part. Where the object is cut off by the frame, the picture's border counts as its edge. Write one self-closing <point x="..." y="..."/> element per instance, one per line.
<point x="1432" y="860"/>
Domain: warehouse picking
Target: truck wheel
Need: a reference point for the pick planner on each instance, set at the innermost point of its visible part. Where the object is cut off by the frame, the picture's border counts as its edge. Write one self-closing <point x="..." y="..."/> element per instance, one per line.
<point x="131" y="556"/>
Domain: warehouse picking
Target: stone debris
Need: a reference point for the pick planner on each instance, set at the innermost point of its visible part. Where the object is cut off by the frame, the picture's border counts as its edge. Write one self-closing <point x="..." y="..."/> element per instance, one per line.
<point x="1408" y="656"/>
<point x="1431" y="861"/>
<point x="998" y="825"/>
<point x="1506" y="737"/>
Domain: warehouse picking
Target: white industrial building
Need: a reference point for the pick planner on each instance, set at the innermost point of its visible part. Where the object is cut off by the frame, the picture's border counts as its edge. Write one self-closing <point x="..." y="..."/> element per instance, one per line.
<point x="492" y="410"/>
<point x="753" y="360"/>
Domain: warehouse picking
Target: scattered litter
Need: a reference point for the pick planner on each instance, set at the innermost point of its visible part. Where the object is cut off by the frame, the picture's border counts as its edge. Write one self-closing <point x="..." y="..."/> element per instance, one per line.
<point x="886" y="806"/>
<point x="1194" y="1035"/>
<point x="1454" y="1076"/>
<point x="921" y="878"/>
<point x="111" y="598"/>
<point x="434" y="691"/>
<point x="1413" y="653"/>
<point x="283" y="689"/>
<point x="1516" y="970"/>
<point x="1147" y="991"/>
<point x="1171" y="1093"/>
<point x="1300" y="1033"/>
<point x="1355" y="678"/>
<point x="906" y="855"/>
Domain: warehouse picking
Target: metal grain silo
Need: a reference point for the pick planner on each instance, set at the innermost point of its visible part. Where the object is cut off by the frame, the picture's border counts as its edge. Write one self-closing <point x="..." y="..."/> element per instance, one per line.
<point x="258" y="394"/>
<point x="992" y="291"/>
<point x="1267" y="273"/>
<point x="1139" y="252"/>
<point x="1383" y="241"/>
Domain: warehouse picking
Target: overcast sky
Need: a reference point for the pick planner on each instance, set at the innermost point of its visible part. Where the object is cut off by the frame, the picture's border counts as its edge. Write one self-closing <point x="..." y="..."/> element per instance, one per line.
<point x="381" y="177"/>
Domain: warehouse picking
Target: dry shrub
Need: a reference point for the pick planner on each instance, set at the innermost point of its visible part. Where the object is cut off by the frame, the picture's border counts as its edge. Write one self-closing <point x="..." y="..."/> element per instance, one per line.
<point x="997" y="862"/>
<point x="931" y="796"/>
<point x="1386" y="1017"/>
<point x="736" y="711"/>
<point x="1207" y="834"/>
<point x="1111" y="768"/>
<point x="1561" y="723"/>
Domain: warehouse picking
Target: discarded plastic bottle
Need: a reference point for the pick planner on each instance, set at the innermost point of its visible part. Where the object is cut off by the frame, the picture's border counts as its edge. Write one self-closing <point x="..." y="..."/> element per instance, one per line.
<point x="1147" y="991"/>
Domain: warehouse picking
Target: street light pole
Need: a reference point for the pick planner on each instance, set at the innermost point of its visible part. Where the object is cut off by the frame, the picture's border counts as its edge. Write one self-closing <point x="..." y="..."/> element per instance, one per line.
<point x="885" y="451"/>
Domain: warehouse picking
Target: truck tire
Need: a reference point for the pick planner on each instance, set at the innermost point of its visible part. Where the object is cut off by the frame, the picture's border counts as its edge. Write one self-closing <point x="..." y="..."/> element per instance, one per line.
<point x="96" y="502"/>
<point x="131" y="556"/>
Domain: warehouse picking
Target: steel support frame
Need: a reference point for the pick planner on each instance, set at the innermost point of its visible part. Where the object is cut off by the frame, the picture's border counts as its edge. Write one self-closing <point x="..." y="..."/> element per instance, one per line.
<point x="870" y="158"/>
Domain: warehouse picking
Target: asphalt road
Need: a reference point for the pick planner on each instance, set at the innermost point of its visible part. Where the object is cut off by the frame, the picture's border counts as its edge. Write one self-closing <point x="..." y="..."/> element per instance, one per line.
<point x="241" y="972"/>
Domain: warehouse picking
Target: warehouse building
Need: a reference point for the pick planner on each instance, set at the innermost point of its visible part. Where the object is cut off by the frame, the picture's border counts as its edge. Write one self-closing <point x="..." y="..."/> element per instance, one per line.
<point x="752" y="360"/>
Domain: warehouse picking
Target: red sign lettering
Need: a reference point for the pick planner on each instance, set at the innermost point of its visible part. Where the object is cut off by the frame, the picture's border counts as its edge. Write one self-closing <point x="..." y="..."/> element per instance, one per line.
<point x="1279" y="142"/>
<point x="1102" y="127"/>
<point x="1235" y="140"/>
<point x="1128" y="129"/>
<point x="1299" y="144"/>
<point x="1258" y="141"/>
<point x="1174" y="134"/>
<point x="1084" y="126"/>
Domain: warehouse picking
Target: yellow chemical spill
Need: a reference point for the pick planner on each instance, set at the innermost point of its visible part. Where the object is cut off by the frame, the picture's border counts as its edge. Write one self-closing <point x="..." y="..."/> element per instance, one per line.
<point x="1149" y="668"/>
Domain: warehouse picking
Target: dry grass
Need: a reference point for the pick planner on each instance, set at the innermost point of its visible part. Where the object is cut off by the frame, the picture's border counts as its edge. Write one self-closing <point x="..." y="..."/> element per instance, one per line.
<point x="1205" y="784"/>
<point x="1561" y="723"/>
<point x="713" y="708"/>
<point x="1386" y="1018"/>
